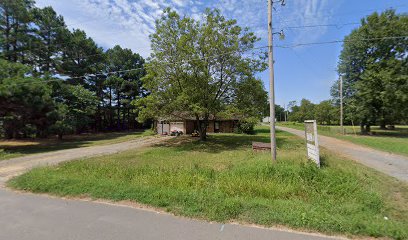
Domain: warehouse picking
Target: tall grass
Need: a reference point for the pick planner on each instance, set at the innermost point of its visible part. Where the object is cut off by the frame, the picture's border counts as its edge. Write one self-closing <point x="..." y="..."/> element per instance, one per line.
<point x="223" y="180"/>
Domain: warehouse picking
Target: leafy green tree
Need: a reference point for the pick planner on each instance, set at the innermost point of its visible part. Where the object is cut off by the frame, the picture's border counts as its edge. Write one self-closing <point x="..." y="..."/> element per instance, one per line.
<point x="325" y="112"/>
<point x="196" y="66"/>
<point x="251" y="98"/>
<point x="375" y="71"/>
<point x="279" y="112"/>
<point x="250" y="101"/>
<point x="305" y="111"/>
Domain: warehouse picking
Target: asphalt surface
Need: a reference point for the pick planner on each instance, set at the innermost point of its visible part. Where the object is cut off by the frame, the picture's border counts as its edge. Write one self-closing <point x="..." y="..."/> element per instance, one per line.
<point x="391" y="164"/>
<point x="28" y="216"/>
<point x="25" y="216"/>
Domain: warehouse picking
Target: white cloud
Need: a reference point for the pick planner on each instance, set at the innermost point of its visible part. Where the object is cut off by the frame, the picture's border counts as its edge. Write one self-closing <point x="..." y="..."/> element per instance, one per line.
<point x="129" y="22"/>
<point x="305" y="13"/>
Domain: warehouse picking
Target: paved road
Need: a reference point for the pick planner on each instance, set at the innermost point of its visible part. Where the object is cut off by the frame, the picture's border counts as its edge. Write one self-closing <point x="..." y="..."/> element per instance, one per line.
<point x="391" y="164"/>
<point x="16" y="166"/>
<point x="28" y="216"/>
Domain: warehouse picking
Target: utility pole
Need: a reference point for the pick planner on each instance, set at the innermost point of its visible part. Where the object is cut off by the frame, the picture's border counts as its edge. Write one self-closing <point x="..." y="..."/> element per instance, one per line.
<point x="341" y="104"/>
<point x="271" y="83"/>
<point x="271" y="76"/>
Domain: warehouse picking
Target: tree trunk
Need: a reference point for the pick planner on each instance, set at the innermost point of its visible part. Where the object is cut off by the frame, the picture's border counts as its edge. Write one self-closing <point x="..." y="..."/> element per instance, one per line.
<point x="110" y="109"/>
<point x="202" y="128"/>
<point x="362" y="128"/>
<point x="368" y="128"/>
<point x="59" y="136"/>
<point x="7" y="36"/>
<point x="118" y="112"/>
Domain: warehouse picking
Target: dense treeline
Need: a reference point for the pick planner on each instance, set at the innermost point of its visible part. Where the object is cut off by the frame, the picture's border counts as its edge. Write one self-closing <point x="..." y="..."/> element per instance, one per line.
<point x="325" y="112"/>
<point x="374" y="67"/>
<point x="375" y="71"/>
<point x="59" y="81"/>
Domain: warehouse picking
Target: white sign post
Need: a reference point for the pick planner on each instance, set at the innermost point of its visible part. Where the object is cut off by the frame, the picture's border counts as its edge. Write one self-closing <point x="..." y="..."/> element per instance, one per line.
<point x="312" y="142"/>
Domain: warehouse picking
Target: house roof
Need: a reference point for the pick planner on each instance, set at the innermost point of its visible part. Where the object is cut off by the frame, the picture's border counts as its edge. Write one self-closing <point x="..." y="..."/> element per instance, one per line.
<point x="188" y="116"/>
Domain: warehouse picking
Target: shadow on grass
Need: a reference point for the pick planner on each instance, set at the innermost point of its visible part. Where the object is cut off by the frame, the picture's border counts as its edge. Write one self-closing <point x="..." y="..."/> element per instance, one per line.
<point x="53" y="144"/>
<point x="216" y="143"/>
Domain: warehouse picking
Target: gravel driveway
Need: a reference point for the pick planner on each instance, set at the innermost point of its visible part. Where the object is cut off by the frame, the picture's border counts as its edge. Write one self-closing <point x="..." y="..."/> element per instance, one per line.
<point x="391" y="164"/>
<point x="16" y="166"/>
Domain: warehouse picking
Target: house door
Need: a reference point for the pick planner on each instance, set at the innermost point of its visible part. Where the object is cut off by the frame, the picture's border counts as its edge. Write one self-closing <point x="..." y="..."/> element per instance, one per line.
<point x="163" y="128"/>
<point x="216" y="127"/>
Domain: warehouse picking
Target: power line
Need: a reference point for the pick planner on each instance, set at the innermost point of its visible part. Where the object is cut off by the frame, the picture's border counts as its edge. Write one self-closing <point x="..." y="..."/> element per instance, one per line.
<point x="346" y="14"/>
<point x="340" y="41"/>
<point x="226" y="53"/>
<point x="145" y="67"/>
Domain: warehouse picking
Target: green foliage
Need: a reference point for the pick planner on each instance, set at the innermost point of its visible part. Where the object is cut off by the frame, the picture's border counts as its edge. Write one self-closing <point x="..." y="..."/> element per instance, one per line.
<point x="15" y="20"/>
<point x="251" y="99"/>
<point x="39" y="39"/>
<point x="24" y="100"/>
<point x="197" y="67"/>
<point x="49" y="39"/>
<point x="375" y="72"/>
<point x="326" y="112"/>
<point x="303" y="112"/>
<point x="81" y="56"/>
<point x="247" y="125"/>
<point x="223" y="180"/>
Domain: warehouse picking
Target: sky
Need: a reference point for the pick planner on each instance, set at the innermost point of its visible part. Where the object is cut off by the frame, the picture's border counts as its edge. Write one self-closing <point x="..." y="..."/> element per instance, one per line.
<point x="300" y="72"/>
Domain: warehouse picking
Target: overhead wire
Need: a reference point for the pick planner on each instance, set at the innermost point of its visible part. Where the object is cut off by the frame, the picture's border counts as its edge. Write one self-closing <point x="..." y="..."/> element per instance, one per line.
<point x="222" y="54"/>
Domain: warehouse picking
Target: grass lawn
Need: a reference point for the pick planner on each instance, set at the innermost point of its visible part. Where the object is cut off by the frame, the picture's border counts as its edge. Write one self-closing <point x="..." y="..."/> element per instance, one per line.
<point x="224" y="180"/>
<point x="393" y="141"/>
<point x="17" y="148"/>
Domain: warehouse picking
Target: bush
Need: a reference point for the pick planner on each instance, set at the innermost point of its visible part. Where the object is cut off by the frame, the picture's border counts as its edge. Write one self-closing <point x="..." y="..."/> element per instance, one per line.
<point x="247" y="125"/>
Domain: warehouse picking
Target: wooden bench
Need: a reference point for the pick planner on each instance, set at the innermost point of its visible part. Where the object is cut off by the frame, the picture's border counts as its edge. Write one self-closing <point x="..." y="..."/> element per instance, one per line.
<point x="260" y="146"/>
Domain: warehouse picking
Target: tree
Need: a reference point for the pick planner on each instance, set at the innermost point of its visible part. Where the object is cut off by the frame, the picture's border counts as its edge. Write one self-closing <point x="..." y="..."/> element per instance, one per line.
<point x="250" y="101"/>
<point x="303" y="112"/>
<point x="74" y="110"/>
<point x="279" y="112"/>
<point x="375" y="71"/>
<point x="80" y="56"/>
<point x="35" y="49"/>
<point x="196" y="66"/>
<point x="24" y="101"/>
<point x="125" y="84"/>
<point x="325" y="112"/>
<point x="15" y="17"/>
<point x="49" y="31"/>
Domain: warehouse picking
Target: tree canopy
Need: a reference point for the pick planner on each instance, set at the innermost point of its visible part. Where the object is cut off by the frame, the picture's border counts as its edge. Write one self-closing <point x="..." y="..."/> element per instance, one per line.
<point x="374" y="67"/>
<point x="200" y="67"/>
<point x="59" y="81"/>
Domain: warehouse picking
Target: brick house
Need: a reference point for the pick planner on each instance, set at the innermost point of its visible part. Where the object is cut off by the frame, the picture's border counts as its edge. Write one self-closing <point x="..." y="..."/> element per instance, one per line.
<point x="189" y="125"/>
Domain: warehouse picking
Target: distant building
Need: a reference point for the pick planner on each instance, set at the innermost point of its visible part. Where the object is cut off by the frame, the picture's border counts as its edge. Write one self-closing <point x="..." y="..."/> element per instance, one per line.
<point x="267" y="119"/>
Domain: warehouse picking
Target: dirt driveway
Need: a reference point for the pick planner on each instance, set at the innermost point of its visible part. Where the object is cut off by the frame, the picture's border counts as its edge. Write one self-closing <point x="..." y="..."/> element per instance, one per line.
<point x="391" y="164"/>
<point x="16" y="166"/>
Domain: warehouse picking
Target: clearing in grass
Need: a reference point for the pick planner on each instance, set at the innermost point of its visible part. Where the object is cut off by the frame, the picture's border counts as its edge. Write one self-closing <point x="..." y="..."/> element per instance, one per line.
<point x="17" y="148"/>
<point x="222" y="179"/>
<point x="393" y="141"/>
